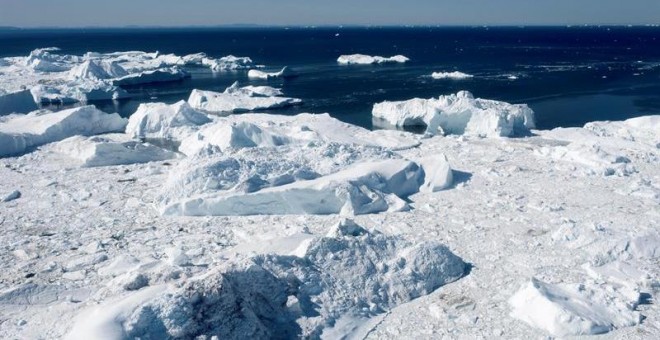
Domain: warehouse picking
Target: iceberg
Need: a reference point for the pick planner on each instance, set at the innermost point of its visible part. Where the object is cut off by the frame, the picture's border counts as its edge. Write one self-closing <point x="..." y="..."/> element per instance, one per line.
<point x="113" y="149"/>
<point x="17" y="102"/>
<point x="451" y="75"/>
<point x="234" y="100"/>
<point x="362" y="59"/>
<point x="97" y="70"/>
<point x="161" y="121"/>
<point x="459" y="114"/>
<point x="228" y="63"/>
<point x="21" y="133"/>
<point x="154" y="76"/>
<point x="284" y="73"/>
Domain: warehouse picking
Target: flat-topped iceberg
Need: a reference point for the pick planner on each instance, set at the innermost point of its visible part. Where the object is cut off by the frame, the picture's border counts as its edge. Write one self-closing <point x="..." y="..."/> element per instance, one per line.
<point x="235" y="99"/>
<point x="151" y="77"/>
<point x="163" y="121"/>
<point x="20" y="133"/>
<point x="459" y="114"/>
<point x="112" y="149"/>
<point x="362" y="59"/>
<point x="228" y="63"/>
<point x="457" y="75"/>
<point x="16" y="102"/>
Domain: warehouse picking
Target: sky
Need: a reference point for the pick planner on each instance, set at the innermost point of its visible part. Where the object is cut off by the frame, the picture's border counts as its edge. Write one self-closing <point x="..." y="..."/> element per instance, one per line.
<point x="116" y="13"/>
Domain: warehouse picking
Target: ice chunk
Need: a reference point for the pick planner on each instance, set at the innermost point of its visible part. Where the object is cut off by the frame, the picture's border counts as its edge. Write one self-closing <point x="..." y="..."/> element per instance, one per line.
<point x="19" y="134"/>
<point x="14" y="195"/>
<point x="228" y="63"/>
<point x="367" y="59"/>
<point x="365" y="188"/>
<point x="162" y="121"/>
<point x="451" y="75"/>
<point x="19" y="102"/>
<point x="233" y="100"/>
<point x="110" y="150"/>
<point x="459" y="114"/>
<point x="437" y="173"/>
<point x="572" y="310"/>
<point x="284" y="73"/>
<point x="595" y="159"/>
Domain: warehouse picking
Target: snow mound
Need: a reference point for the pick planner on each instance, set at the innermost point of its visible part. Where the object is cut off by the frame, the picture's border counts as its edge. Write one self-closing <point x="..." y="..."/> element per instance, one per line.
<point x="284" y="73"/>
<point x="362" y="59"/>
<point x="459" y="114"/>
<point x="451" y="75"/>
<point x="573" y="310"/>
<point x="162" y="121"/>
<point x="233" y="100"/>
<point x="282" y="296"/>
<point x="110" y="150"/>
<point x="21" y="133"/>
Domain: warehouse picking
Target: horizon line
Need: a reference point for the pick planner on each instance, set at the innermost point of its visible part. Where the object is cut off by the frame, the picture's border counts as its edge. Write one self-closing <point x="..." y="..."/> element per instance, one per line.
<point x="241" y="25"/>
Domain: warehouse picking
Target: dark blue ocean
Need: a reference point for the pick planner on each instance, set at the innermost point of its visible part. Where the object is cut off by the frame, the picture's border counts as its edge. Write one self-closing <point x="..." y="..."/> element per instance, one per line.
<point x="568" y="75"/>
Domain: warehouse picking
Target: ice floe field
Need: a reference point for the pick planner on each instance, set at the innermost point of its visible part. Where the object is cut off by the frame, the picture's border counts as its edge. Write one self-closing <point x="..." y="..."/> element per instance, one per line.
<point x="207" y="219"/>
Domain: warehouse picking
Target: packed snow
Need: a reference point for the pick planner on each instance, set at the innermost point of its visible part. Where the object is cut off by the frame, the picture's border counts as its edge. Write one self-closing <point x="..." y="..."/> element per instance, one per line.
<point x="236" y="99"/>
<point x="362" y="59"/>
<point x="307" y="227"/>
<point x="458" y="114"/>
<point x="457" y="75"/>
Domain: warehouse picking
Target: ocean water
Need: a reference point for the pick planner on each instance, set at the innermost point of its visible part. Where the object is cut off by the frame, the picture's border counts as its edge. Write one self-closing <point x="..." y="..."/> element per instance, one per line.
<point x="568" y="75"/>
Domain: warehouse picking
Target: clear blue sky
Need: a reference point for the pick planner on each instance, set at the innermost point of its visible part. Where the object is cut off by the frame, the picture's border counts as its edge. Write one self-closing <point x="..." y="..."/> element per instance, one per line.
<point x="29" y="13"/>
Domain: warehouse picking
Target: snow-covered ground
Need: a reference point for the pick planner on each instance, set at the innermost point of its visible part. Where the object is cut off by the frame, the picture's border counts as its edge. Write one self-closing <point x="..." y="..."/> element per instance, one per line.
<point x="330" y="230"/>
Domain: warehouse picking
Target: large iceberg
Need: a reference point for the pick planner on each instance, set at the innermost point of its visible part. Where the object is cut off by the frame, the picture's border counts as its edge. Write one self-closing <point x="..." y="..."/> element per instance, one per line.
<point x="236" y="99"/>
<point x="19" y="101"/>
<point x="363" y="59"/>
<point x="162" y="121"/>
<point x="21" y="133"/>
<point x="459" y="114"/>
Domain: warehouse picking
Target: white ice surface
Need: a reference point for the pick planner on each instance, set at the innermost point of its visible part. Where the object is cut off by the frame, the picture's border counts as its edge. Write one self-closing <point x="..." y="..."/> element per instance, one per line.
<point x="258" y="74"/>
<point x="85" y="250"/>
